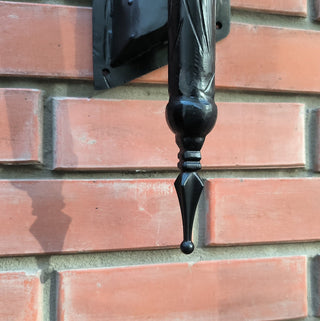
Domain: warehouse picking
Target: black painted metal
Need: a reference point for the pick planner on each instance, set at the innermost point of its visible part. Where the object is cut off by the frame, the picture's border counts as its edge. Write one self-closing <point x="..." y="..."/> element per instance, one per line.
<point x="191" y="112"/>
<point x="223" y="13"/>
<point x="130" y="38"/>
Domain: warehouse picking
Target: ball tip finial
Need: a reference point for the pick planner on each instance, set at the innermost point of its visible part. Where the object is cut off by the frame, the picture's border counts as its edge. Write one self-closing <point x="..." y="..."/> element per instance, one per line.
<point x="187" y="247"/>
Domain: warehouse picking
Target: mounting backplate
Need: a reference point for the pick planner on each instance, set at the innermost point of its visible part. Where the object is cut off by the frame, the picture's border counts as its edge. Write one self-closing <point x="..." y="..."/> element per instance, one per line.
<point x="130" y="38"/>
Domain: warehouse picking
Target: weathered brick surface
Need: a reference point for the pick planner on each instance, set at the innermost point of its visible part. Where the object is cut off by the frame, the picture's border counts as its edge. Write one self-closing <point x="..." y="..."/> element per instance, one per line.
<point x="20" y="126"/>
<point x="260" y="289"/>
<point x="20" y="297"/>
<point x="286" y="7"/>
<point x="263" y="210"/>
<point x="107" y="134"/>
<point x="80" y="215"/>
<point x="61" y="45"/>
<point x="274" y="59"/>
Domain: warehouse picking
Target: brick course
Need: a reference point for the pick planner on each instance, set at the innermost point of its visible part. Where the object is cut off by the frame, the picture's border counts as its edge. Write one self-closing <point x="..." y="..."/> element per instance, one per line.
<point x="270" y="289"/>
<point x="54" y="216"/>
<point x="138" y="137"/>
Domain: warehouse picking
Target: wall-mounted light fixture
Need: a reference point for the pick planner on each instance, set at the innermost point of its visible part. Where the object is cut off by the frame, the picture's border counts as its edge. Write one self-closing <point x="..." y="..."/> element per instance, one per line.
<point x="134" y="37"/>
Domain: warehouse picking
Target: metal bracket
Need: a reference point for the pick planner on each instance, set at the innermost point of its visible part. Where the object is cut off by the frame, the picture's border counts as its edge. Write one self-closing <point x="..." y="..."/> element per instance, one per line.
<point x="191" y="112"/>
<point x="130" y="38"/>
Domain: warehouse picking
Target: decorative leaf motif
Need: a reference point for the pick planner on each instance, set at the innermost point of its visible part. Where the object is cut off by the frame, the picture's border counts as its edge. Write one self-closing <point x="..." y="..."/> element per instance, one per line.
<point x="177" y="40"/>
<point x="210" y="83"/>
<point x="189" y="16"/>
<point x="203" y="23"/>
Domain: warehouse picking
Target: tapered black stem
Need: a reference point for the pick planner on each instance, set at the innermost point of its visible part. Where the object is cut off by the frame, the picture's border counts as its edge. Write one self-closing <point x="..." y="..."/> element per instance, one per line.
<point x="191" y="112"/>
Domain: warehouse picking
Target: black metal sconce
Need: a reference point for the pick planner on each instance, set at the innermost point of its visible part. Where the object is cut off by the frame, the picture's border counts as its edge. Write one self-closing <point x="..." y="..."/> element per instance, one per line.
<point x="134" y="37"/>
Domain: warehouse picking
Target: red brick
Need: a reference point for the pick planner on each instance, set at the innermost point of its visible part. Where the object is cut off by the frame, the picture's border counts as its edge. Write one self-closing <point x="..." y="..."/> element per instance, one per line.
<point x="108" y="134"/>
<point x="243" y="211"/>
<point x="317" y="10"/>
<point x="259" y="289"/>
<point x="80" y="215"/>
<point x="263" y="58"/>
<point x="274" y="59"/>
<point x="61" y="45"/>
<point x="286" y="7"/>
<point x="20" y="126"/>
<point x="20" y="297"/>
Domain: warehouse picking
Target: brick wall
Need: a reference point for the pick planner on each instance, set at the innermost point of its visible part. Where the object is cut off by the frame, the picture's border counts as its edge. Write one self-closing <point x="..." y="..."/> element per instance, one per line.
<point x="89" y="221"/>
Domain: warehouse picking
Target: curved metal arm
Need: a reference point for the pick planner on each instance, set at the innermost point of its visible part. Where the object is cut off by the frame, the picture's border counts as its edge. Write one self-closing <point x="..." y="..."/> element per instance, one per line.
<point x="191" y="112"/>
